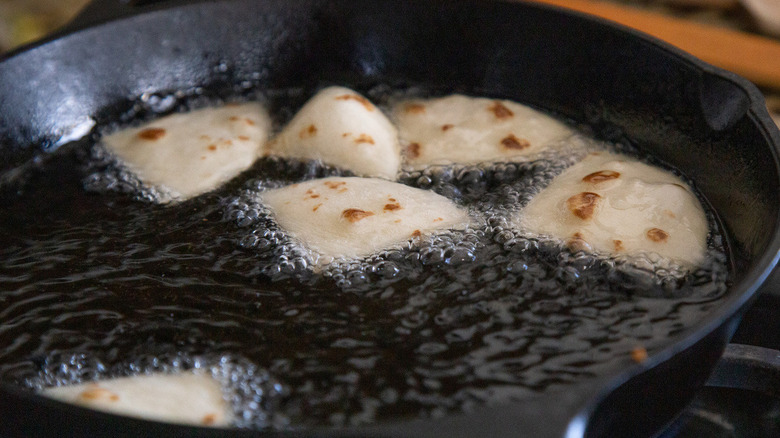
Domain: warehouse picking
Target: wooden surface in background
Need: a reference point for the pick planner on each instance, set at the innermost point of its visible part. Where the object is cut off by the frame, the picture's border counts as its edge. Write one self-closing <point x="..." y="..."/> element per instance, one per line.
<point x="755" y="57"/>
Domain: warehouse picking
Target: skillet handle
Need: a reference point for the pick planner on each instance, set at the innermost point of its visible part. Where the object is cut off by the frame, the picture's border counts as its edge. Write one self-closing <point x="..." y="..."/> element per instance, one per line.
<point x="103" y="10"/>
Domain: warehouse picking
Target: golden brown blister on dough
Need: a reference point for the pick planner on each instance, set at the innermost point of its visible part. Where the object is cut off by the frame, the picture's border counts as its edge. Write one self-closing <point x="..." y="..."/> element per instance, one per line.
<point x="614" y="204"/>
<point x="186" y="154"/>
<point x="355" y="217"/>
<point x="341" y="128"/>
<point x="583" y="205"/>
<point x="459" y="129"/>
<point x="187" y="398"/>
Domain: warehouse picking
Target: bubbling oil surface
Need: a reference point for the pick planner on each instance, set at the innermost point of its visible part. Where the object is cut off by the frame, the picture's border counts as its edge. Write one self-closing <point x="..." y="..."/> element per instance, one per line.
<point x="96" y="281"/>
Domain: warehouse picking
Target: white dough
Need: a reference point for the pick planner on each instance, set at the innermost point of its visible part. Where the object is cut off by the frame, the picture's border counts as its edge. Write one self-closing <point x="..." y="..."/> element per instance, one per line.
<point x="192" y="153"/>
<point x="187" y="398"/>
<point x="468" y="130"/>
<point x="354" y="217"/>
<point x="340" y="127"/>
<point x="614" y="204"/>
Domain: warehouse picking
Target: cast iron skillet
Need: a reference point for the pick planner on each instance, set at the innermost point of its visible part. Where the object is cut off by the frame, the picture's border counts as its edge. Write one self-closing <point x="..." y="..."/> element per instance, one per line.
<point x="709" y="123"/>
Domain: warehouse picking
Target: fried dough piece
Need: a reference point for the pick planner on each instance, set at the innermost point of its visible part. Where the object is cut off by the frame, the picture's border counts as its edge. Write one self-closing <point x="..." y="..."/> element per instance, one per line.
<point x="187" y="398"/>
<point x="355" y="217"/>
<point x="459" y="129"/>
<point x="192" y="153"/>
<point x="615" y="204"/>
<point x="342" y="128"/>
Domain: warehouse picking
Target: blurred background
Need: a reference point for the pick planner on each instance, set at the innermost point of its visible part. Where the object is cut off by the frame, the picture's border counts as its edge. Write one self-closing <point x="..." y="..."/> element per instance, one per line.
<point x="24" y="21"/>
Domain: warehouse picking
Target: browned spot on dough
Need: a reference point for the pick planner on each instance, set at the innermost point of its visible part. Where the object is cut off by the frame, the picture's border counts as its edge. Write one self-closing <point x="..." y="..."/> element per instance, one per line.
<point x="670" y="214"/>
<point x="618" y="245"/>
<point x="514" y="143"/>
<point x="316" y="207"/>
<point x="639" y="354"/>
<point x="209" y="419"/>
<point x="205" y="137"/>
<point x="227" y="142"/>
<point x="250" y="122"/>
<point x="151" y="134"/>
<point x="583" y="204"/>
<point x="500" y="111"/>
<point x="353" y="214"/>
<point x="438" y="219"/>
<point x="390" y="199"/>
<point x="368" y="105"/>
<point x="342" y="190"/>
<point x="234" y="118"/>
<point x="657" y="235"/>
<point x="364" y="138"/>
<point x="413" y="151"/>
<point x="333" y="185"/>
<point x="415" y="108"/>
<point x="398" y="221"/>
<point x="243" y="138"/>
<point x="346" y="134"/>
<point x="416" y="233"/>
<point x="308" y="132"/>
<point x="212" y="147"/>
<point x="310" y="194"/>
<point x="447" y="127"/>
<point x="392" y="207"/>
<point x="601" y="176"/>
<point x="97" y="393"/>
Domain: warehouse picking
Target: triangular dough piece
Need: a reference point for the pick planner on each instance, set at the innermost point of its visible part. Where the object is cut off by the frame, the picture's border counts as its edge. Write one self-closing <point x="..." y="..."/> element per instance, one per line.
<point x="187" y="398"/>
<point x="459" y="129"/>
<point x="340" y="127"/>
<point x="192" y="153"/>
<point x="615" y="204"/>
<point x="354" y="217"/>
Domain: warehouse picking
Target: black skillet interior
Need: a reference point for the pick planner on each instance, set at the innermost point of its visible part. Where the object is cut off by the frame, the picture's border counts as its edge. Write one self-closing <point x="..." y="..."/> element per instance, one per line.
<point x="707" y="122"/>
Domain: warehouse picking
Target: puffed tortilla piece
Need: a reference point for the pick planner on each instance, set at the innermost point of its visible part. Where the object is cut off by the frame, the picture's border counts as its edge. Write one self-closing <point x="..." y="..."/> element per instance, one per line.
<point x="188" y="154"/>
<point x="186" y="398"/>
<point x="614" y="204"/>
<point x="460" y="129"/>
<point x="340" y="127"/>
<point x="347" y="218"/>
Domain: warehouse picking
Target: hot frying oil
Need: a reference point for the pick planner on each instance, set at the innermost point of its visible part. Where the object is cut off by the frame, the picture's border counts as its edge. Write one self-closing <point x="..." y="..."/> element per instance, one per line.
<point x="98" y="281"/>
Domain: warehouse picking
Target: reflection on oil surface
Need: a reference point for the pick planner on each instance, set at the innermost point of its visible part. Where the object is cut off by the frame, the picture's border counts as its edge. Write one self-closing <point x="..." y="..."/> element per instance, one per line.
<point x="95" y="283"/>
